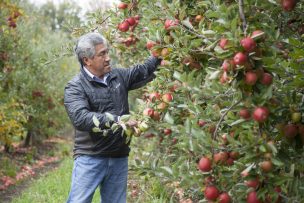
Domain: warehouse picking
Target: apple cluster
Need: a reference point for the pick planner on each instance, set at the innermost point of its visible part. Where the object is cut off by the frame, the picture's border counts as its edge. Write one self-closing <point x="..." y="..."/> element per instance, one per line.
<point x="241" y="61"/>
<point x="11" y="20"/>
<point x="128" y="24"/>
<point x="160" y="102"/>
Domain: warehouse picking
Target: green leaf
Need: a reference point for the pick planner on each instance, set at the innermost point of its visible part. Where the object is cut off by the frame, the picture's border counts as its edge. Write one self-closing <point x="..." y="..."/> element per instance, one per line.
<point x="96" y="130"/>
<point x="167" y="169"/>
<point x="96" y="121"/>
<point x="177" y="75"/>
<point x="209" y="33"/>
<point x="262" y="148"/>
<point x="191" y="145"/>
<point x="268" y="93"/>
<point x="168" y="118"/>
<point x="237" y="122"/>
<point x="188" y="126"/>
<point x="277" y="162"/>
<point x="115" y="127"/>
<point x="187" y="23"/>
<point x="125" y="118"/>
<point x="109" y="116"/>
<point x="273" y="148"/>
<point x="214" y="75"/>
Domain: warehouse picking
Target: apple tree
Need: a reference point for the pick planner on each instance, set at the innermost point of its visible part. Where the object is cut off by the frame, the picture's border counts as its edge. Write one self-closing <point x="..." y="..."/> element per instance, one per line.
<point x="227" y="104"/>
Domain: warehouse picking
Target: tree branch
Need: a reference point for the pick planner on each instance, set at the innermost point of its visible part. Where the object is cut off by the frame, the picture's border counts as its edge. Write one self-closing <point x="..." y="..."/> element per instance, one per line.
<point x="222" y="118"/>
<point x="191" y="31"/>
<point x="242" y="15"/>
<point x="95" y="28"/>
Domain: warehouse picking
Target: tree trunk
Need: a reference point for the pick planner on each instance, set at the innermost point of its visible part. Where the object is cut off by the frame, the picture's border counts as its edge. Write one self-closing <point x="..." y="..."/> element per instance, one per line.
<point x="6" y="148"/>
<point x="27" y="139"/>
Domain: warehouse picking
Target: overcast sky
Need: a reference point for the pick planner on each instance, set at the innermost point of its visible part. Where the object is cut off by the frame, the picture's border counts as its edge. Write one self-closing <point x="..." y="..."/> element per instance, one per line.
<point x="85" y="4"/>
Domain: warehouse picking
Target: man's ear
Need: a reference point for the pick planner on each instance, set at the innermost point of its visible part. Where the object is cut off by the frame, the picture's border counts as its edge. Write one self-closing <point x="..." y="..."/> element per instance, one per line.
<point x="86" y="61"/>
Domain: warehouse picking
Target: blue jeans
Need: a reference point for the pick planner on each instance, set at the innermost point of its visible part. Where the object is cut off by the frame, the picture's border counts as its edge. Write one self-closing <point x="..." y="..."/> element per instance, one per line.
<point x="89" y="172"/>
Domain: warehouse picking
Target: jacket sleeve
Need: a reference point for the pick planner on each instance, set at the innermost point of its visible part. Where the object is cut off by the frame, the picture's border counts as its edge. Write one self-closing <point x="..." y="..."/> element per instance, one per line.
<point x="78" y="109"/>
<point x="141" y="74"/>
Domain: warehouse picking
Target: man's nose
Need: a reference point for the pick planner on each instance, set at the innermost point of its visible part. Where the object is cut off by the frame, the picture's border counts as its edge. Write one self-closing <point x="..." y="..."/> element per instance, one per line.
<point x="107" y="58"/>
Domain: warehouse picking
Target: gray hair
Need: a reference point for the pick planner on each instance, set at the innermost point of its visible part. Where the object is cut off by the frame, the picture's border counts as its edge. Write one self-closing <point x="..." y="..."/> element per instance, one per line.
<point x="85" y="46"/>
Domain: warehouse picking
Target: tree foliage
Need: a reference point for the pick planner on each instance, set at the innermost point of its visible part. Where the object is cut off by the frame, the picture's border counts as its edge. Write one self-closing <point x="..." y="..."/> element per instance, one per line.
<point x="32" y="74"/>
<point x="220" y="58"/>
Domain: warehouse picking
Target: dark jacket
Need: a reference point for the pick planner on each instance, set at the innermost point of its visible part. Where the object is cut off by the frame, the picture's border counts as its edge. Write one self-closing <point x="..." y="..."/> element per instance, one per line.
<point x="84" y="98"/>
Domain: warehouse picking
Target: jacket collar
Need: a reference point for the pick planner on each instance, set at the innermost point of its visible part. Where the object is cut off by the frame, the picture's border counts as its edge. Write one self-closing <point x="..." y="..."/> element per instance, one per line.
<point x="111" y="76"/>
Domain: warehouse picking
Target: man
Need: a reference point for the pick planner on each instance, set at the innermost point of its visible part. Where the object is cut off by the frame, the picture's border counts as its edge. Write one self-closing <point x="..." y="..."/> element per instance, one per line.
<point x="101" y="160"/>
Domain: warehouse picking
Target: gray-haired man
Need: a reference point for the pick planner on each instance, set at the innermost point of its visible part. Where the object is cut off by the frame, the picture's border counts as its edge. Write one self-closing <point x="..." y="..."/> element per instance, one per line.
<point x="101" y="160"/>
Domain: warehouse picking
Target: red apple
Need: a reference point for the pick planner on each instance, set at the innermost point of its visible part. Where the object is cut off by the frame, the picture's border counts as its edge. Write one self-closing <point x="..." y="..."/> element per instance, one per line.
<point x="290" y="130"/>
<point x="148" y="112"/>
<point x="226" y="65"/>
<point x="122" y="5"/>
<point x="204" y="164"/>
<point x="198" y="18"/>
<point x="16" y="14"/>
<point x="260" y="114"/>
<point x="266" y="166"/>
<point x="223" y="42"/>
<point x="167" y="97"/>
<point x="124" y="26"/>
<point x="150" y="44"/>
<point x="254" y="183"/>
<point x="266" y="79"/>
<point x="165" y="52"/>
<point x="149" y="135"/>
<point x="137" y="17"/>
<point x="201" y="123"/>
<point x="248" y="44"/>
<point x="224" y="78"/>
<point x="174" y="140"/>
<point x="12" y="24"/>
<point x="230" y="161"/>
<point x="253" y="198"/>
<point x="224" y="198"/>
<point x="162" y="106"/>
<point x="288" y="5"/>
<point x="167" y="131"/>
<point x="131" y="21"/>
<point x="251" y="78"/>
<point x="171" y="23"/>
<point x="240" y="58"/>
<point x="234" y="154"/>
<point x="156" y="116"/>
<point x="154" y="96"/>
<point x="220" y="157"/>
<point x="155" y="53"/>
<point x="245" y="114"/>
<point x="211" y="193"/>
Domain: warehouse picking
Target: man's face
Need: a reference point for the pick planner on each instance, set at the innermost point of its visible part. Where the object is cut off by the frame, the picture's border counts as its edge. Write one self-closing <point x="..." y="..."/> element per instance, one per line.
<point x="99" y="65"/>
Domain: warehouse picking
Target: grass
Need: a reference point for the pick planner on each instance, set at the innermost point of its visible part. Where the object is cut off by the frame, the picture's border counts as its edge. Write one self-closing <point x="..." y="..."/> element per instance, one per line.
<point x="52" y="187"/>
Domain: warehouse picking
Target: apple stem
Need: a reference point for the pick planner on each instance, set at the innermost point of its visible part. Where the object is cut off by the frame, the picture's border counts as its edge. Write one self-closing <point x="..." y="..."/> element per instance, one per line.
<point x="222" y="118"/>
<point x="242" y="15"/>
